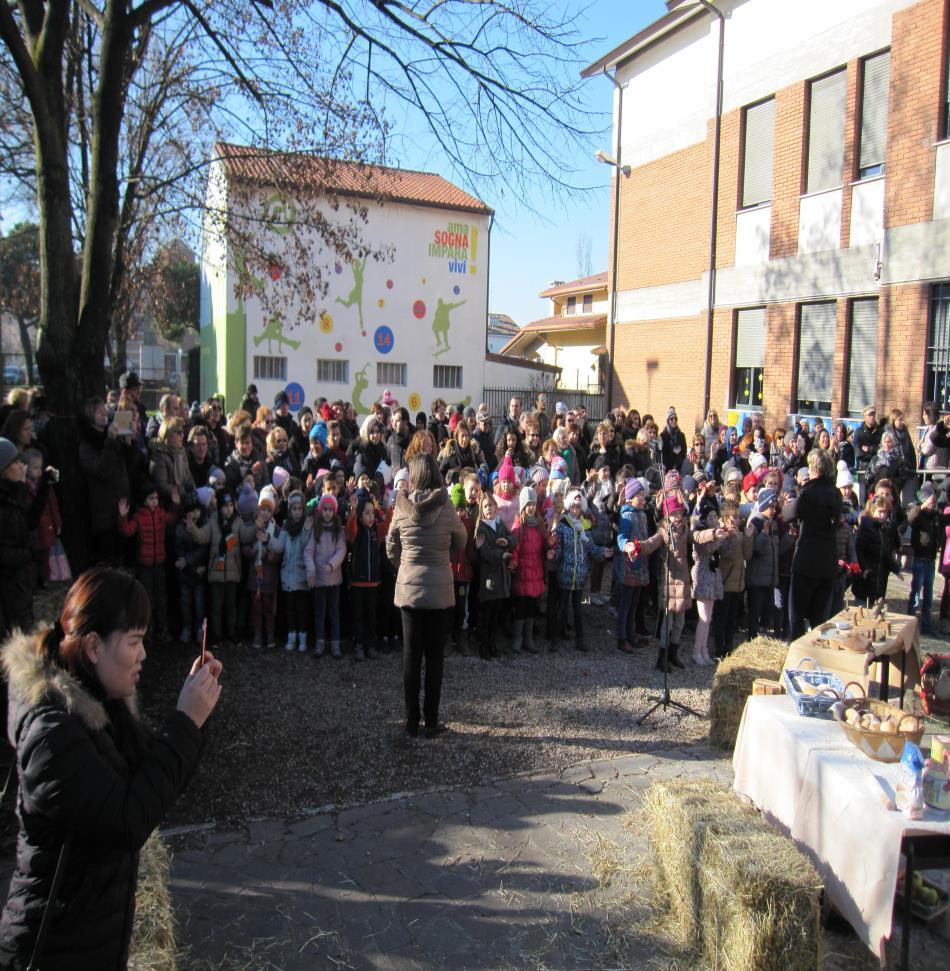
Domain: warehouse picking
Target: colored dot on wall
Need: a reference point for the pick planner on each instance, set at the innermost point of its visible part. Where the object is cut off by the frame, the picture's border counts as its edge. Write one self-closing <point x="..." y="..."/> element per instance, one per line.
<point x="389" y="284"/>
<point x="419" y="309"/>
<point x="338" y="346"/>
<point x="456" y="290"/>
<point x="423" y="279"/>
<point x="338" y="268"/>
<point x="380" y="303"/>
<point x="326" y="323"/>
<point x="415" y="402"/>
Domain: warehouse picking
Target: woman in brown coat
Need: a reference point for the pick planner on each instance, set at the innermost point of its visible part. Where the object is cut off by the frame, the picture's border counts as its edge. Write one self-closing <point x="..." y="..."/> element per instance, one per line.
<point x="424" y="532"/>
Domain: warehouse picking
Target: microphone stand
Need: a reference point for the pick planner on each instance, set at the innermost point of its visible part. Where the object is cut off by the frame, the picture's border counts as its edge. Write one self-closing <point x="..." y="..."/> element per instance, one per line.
<point x="664" y="700"/>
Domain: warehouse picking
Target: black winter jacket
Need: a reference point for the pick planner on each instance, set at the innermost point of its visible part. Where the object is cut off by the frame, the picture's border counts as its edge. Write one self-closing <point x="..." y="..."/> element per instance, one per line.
<point x="16" y="574"/>
<point x="88" y="769"/>
<point x="818" y="511"/>
<point x="103" y="463"/>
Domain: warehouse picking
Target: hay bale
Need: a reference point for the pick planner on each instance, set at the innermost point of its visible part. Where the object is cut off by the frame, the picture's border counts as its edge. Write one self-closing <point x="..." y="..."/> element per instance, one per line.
<point x="761" y="906"/>
<point x="680" y="814"/>
<point x="762" y="657"/>
<point x="153" y="931"/>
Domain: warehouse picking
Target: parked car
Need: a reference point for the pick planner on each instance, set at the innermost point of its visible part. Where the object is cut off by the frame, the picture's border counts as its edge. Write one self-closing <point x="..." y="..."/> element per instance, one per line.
<point x="13" y="374"/>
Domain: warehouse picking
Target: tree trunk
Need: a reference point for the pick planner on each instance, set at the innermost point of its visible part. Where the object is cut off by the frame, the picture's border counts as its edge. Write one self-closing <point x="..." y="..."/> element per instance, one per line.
<point x="27" y="346"/>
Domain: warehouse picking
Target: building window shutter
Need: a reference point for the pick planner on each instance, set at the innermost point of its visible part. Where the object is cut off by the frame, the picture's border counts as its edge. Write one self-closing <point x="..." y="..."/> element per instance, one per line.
<point x="749" y="368"/>
<point x="874" y="114"/>
<point x="826" y="132"/>
<point x="862" y="369"/>
<point x="757" y="153"/>
<point x="816" y="356"/>
<point x="938" y="351"/>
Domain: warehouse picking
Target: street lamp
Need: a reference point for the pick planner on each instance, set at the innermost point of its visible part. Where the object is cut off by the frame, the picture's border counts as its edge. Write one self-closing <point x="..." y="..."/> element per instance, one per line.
<point x="607" y="159"/>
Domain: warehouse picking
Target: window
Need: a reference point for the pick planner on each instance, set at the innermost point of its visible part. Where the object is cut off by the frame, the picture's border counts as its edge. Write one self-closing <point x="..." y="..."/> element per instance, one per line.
<point x="757" y="153"/>
<point x="446" y="376"/>
<point x="749" y="370"/>
<point x="391" y="375"/>
<point x="588" y="303"/>
<point x="862" y="356"/>
<point x="826" y="132"/>
<point x="816" y="357"/>
<point x="876" y="73"/>
<point x="333" y="371"/>
<point x="571" y="305"/>
<point x="938" y="350"/>
<point x="270" y="368"/>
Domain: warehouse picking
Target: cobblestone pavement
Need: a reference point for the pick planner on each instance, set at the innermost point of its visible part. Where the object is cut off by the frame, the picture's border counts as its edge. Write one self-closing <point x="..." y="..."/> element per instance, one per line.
<point x="498" y="876"/>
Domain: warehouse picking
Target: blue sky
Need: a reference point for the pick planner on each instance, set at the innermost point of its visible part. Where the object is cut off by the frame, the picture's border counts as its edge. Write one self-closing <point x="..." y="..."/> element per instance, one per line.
<point x="527" y="252"/>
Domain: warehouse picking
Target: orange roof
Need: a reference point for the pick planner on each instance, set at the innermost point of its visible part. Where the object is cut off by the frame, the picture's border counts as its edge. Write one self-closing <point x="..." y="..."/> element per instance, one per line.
<point x="553" y="324"/>
<point x="594" y="282"/>
<point x="266" y="167"/>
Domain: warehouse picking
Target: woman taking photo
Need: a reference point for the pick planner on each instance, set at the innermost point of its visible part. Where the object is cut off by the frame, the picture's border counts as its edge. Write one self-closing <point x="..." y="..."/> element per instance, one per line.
<point x="424" y="532"/>
<point x="93" y="781"/>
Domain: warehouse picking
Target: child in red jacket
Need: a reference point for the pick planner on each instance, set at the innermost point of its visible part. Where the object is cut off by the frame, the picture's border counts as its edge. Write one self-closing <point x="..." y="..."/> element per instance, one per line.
<point x="148" y="524"/>
<point x="532" y="545"/>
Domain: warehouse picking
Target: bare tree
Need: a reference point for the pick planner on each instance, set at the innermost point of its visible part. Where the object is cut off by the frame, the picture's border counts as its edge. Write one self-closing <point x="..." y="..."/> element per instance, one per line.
<point x="110" y="109"/>
<point x="584" y="265"/>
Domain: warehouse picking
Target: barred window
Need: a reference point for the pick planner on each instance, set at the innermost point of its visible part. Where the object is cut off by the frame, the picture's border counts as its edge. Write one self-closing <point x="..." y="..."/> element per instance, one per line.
<point x="392" y="375"/>
<point x="447" y="376"/>
<point x="333" y="371"/>
<point x="938" y="349"/>
<point x="270" y="368"/>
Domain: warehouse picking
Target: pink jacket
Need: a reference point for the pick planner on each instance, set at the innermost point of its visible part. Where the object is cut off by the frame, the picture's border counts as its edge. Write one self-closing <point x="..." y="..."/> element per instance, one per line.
<point x="317" y="555"/>
<point x="531" y="544"/>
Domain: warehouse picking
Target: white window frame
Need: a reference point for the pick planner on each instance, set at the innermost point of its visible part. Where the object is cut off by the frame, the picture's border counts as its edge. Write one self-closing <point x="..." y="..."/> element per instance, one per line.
<point x="270" y="367"/>
<point x="392" y="374"/>
<point x="445" y="375"/>
<point x="335" y="371"/>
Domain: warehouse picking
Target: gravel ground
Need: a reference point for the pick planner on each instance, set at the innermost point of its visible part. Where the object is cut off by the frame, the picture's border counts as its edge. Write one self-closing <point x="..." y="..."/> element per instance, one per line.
<point x="294" y="733"/>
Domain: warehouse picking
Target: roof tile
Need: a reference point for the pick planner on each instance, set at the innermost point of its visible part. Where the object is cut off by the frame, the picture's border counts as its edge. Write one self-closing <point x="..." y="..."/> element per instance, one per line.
<point x="299" y="169"/>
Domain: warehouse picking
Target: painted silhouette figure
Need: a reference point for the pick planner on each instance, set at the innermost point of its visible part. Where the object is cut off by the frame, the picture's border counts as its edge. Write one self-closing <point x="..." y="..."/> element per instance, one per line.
<point x="441" y="324"/>
<point x="274" y="331"/>
<point x="356" y="294"/>
<point x="359" y="386"/>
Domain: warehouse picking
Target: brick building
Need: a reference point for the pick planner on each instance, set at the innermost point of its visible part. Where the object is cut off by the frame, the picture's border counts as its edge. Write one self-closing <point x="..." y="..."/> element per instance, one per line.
<point x="829" y="273"/>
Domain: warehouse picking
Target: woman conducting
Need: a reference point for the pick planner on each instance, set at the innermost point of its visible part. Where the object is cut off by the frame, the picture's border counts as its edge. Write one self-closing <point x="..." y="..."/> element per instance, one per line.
<point x="424" y="531"/>
<point x="93" y="781"/>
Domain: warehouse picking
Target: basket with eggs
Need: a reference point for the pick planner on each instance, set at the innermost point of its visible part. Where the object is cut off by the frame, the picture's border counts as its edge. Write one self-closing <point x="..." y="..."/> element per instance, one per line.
<point x="878" y="729"/>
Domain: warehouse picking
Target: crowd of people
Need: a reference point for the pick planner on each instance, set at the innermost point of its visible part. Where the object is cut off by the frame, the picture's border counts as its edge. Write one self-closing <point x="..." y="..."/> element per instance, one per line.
<point x="313" y="531"/>
<point x="273" y="526"/>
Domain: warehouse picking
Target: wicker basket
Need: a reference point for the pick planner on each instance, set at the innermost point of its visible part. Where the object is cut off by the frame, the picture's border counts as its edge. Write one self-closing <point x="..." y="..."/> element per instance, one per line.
<point x="880" y="746"/>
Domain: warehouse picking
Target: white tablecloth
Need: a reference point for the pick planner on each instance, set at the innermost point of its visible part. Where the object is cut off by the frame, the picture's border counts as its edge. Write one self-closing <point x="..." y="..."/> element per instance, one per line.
<point x="810" y="781"/>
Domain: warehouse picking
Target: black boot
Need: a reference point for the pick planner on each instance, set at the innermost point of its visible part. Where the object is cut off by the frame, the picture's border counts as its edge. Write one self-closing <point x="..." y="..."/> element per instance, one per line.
<point x="662" y="660"/>
<point x="674" y="656"/>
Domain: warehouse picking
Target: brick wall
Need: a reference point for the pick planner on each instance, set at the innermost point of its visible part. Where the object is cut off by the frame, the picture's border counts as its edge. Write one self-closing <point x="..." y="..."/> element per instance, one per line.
<point x="780" y="346"/>
<point x="852" y="138"/>
<point x="901" y="355"/>
<point x="787" y="165"/>
<point x="913" y="125"/>
<point x="664" y="219"/>
<point x="661" y="363"/>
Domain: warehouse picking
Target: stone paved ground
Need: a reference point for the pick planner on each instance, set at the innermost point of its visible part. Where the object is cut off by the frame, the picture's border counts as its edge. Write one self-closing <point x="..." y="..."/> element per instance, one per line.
<point x="500" y="876"/>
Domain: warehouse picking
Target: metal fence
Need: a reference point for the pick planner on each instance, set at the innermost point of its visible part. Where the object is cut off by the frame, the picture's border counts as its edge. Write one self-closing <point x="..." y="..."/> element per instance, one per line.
<point x="497" y="400"/>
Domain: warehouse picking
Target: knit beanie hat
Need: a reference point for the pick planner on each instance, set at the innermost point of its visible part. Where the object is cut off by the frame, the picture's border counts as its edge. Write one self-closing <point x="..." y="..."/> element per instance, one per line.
<point x="673" y="481"/>
<point x="8" y="452"/>
<point x="802" y="475"/>
<point x="482" y="414"/>
<point x="526" y="495"/>
<point x="296" y="498"/>
<point x="558" y="465"/>
<point x="145" y="490"/>
<point x="560" y="408"/>
<point x="766" y="498"/>
<point x="749" y="482"/>
<point x="204" y="496"/>
<point x="326" y="500"/>
<point x="268" y="497"/>
<point x="280" y="476"/>
<point x="632" y="488"/>
<point x="247" y="501"/>
<point x="672" y="503"/>
<point x="671" y="413"/>
<point x="506" y="471"/>
<point x="689" y="484"/>
<point x="757" y="460"/>
<point x="281" y="398"/>
<point x="572" y="497"/>
<point x="733" y="475"/>
<point x="387" y="400"/>
<point x="845" y="478"/>
<point x="401" y="476"/>
<point x="457" y="496"/>
<point x="215" y="475"/>
<point x="319" y="431"/>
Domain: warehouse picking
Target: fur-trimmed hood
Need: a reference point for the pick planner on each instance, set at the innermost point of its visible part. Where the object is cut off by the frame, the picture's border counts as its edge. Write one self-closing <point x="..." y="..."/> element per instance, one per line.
<point x="32" y="678"/>
<point x="422" y="508"/>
